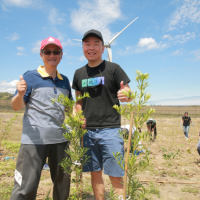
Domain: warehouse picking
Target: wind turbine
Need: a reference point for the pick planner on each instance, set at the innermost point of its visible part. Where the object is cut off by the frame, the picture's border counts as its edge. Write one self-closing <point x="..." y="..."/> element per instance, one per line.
<point x="108" y="46"/>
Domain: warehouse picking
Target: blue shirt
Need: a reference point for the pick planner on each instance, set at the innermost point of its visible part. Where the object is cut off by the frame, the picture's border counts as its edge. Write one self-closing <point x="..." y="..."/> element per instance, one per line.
<point x="43" y="119"/>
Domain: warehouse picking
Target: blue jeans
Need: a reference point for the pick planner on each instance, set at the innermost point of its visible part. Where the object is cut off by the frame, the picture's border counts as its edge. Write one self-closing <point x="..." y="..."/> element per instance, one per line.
<point x="186" y="130"/>
<point x="101" y="144"/>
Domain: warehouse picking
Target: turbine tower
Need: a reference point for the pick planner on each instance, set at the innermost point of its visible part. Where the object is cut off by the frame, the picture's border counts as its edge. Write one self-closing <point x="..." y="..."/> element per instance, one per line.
<point x="108" y="46"/>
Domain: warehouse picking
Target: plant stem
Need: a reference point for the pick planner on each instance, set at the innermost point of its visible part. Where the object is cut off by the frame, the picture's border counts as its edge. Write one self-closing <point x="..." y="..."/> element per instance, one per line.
<point x="127" y="155"/>
<point x="77" y="186"/>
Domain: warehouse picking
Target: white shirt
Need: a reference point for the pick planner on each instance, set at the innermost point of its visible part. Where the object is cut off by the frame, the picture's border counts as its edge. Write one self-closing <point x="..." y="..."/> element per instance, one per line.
<point x="127" y="126"/>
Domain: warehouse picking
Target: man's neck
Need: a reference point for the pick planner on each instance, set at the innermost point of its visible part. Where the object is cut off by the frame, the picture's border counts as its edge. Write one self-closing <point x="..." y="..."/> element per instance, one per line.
<point x="51" y="71"/>
<point x="94" y="63"/>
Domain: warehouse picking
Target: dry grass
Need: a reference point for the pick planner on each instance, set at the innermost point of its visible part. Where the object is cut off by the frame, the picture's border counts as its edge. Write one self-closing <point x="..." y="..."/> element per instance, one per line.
<point x="172" y="178"/>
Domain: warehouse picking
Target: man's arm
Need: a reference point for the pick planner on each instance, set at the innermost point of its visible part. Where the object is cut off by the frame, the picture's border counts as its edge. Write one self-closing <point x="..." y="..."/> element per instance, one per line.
<point x="18" y="100"/>
<point x="78" y="103"/>
<point x="122" y="97"/>
<point x="148" y="127"/>
<point x="153" y="128"/>
<point x="182" y="120"/>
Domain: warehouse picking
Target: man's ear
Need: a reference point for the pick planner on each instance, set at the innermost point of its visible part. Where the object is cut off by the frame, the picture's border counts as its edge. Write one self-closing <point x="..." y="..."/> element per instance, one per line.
<point x="103" y="49"/>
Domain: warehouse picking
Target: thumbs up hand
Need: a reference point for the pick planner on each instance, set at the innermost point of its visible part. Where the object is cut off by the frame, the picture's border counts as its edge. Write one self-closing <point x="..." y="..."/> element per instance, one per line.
<point x="21" y="86"/>
<point x="121" y="96"/>
<point x="122" y="85"/>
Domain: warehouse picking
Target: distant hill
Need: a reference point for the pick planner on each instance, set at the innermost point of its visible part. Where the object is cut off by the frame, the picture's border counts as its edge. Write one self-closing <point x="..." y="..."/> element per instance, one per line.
<point x="187" y="101"/>
<point x="5" y="96"/>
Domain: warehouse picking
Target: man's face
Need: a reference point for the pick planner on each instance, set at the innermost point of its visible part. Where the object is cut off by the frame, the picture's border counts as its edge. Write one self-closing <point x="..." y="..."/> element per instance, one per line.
<point x="93" y="48"/>
<point x="186" y="114"/>
<point x="51" y="60"/>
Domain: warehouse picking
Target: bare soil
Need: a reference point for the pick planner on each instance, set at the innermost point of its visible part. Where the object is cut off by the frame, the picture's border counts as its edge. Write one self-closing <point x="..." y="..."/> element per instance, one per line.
<point x="172" y="179"/>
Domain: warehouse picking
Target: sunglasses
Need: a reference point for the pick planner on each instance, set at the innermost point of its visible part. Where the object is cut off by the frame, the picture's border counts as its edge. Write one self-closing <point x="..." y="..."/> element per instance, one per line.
<point x="48" y="52"/>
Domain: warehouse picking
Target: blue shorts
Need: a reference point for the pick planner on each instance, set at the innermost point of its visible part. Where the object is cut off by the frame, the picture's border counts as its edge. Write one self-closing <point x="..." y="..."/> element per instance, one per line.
<point x="102" y="143"/>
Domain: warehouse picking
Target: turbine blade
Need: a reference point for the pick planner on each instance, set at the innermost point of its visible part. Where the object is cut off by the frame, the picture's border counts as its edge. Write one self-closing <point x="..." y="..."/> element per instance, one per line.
<point x="78" y="40"/>
<point x="121" y="31"/>
<point x="109" y="54"/>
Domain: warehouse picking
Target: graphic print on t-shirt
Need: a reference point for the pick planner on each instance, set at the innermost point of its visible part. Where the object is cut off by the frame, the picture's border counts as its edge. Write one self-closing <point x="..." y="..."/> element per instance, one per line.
<point x="93" y="81"/>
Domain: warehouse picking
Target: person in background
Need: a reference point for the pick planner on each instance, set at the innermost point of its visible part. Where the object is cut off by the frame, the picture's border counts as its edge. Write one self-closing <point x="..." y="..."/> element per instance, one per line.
<point x="125" y="129"/>
<point x="198" y="145"/>
<point x="186" y="124"/>
<point x="42" y="134"/>
<point x="151" y="126"/>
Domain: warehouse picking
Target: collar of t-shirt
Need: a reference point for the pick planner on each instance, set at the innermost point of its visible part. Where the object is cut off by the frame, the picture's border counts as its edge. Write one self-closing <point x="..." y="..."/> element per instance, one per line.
<point x="91" y="69"/>
<point x="43" y="74"/>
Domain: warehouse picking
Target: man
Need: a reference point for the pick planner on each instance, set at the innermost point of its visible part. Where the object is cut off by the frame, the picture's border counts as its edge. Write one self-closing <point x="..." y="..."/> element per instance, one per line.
<point x="105" y="82"/>
<point x="151" y="126"/>
<point x="198" y="146"/>
<point x="42" y="135"/>
<point x="186" y="124"/>
<point x="125" y="129"/>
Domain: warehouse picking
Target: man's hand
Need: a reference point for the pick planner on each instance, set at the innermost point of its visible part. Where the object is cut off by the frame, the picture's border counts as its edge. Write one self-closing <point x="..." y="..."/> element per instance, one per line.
<point x="84" y="125"/>
<point x="122" y="97"/>
<point x="18" y="100"/>
<point x="21" y="87"/>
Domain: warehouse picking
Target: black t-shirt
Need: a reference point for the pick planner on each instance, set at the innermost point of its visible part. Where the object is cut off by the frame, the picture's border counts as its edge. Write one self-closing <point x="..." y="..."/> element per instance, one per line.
<point x="186" y="120"/>
<point x="102" y="83"/>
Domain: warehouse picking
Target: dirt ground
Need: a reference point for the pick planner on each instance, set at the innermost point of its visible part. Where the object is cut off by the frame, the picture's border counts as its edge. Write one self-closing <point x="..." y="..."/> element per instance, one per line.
<point x="166" y="177"/>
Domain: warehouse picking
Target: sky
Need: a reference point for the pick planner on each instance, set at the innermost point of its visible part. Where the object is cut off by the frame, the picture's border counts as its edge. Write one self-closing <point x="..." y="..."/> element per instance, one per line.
<point x="164" y="41"/>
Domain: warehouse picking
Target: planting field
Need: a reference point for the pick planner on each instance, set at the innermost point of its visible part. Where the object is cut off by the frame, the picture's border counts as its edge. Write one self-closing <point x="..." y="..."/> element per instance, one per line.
<point x="173" y="173"/>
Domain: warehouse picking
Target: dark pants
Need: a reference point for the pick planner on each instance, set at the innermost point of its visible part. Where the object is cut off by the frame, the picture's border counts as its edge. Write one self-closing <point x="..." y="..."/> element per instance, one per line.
<point x="155" y="132"/>
<point x="30" y="162"/>
<point x="198" y="149"/>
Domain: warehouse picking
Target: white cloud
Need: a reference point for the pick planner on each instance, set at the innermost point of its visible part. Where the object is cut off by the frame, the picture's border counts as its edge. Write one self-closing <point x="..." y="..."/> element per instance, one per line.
<point x="20" y="48"/>
<point x="54" y="17"/>
<point x="36" y="48"/>
<point x="177" y="52"/>
<point x="8" y="86"/>
<point x="20" y="3"/>
<point x="70" y="42"/>
<point x="20" y="54"/>
<point x="188" y="12"/>
<point x="13" y="37"/>
<point x="82" y="58"/>
<point x="96" y="14"/>
<point x="149" y="43"/>
<point x="146" y="44"/>
<point x="166" y="36"/>
<point x="196" y="53"/>
<point x="185" y="37"/>
<point x="181" y="38"/>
